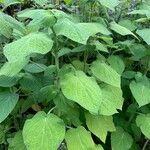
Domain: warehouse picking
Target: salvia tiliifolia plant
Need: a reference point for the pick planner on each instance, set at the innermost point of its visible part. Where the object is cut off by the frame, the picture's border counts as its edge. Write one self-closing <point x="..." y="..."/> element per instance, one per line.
<point x="75" y="75"/>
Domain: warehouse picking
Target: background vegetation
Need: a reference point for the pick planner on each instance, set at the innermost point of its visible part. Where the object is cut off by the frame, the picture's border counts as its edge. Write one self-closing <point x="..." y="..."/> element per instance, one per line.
<point x="75" y="74"/>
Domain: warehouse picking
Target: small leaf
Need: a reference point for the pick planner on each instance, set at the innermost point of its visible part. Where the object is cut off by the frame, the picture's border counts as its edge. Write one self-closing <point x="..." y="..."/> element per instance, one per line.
<point x="35" y="68"/>
<point x="109" y="4"/>
<point x="121" y="30"/>
<point x="106" y="73"/>
<point x="116" y="63"/>
<point x="43" y="131"/>
<point x="41" y="2"/>
<point x="17" y="142"/>
<point x="82" y="89"/>
<point x="7" y="104"/>
<point x="141" y="12"/>
<point x="121" y="140"/>
<point x="100" y="125"/>
<point x="80" y="139"/>
<point x="144" y="34"/>
<point x="143" y="122"/>
<point x="141" y="91"/>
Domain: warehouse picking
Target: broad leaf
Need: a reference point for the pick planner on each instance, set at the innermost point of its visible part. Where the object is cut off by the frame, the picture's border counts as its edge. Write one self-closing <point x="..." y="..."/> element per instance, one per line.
<point x="100" y="125"/>
<point x="143" y="122"/>
<point x="17" y="142"/>
<point x="121" y="30"/>
<point x="121" y="140"/>
<point x="79" y="32"/>
<point x="109" y="4"/>
<point x="141" y="12"/>
<point x="141" y="91"/>
<point x="11" y="69"/>
<point x="35" y="68"/>
<point x="43" y="131"/>
<point x="27" y="45"/>
<point x="19" y="51"/>
<point x="128" y="24"/>
<point x="111" y="100"/>
<point x="7" y="104"/>
<point x="40" y="17"/>
<point x="5" y="27"/>
<point x="144" y="34"/>
<point x="116" y="63"/>
<point x="80" y="139"/>
<point x="11" y="2"/>
<point x="82" y="89"/>
<point x="6" y="81"/>
<point x="106" y="73"/>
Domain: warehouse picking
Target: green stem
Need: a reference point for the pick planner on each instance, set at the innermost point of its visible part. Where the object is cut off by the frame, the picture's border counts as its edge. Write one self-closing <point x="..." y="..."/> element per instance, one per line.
<point x="55" y="53"/>
<point x="85" y="59"/>
<point x="145" y="145"/>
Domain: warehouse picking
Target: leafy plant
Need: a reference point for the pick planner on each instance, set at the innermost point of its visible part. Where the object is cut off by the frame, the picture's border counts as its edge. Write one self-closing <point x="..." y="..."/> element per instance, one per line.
<point x="76" y="78"/>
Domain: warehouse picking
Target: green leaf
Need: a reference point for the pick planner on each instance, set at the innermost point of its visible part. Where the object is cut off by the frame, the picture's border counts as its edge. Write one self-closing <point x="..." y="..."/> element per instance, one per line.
<point x="140" y="12"/>
<point x="100" y="125"/>
<point x="106" y="73"/>
<point x="116" y="63"/>
<point x="49" y="92"/>
<point x="82" y="89"/>
<point x="109" y="4"/>
<point x="111" y="100"/>
<point x="11" y="2"/>
<point x="121" y="30"/>
<point x="30" y="83"/>
<point x="141" y="91"/>
<point x="19" y="26"/>
<point x="144" y="34"/>
<point x="121" y="140"/>
<point x="138" y="50"/>
<point x="40" y="17"/>
<point x="27" y="45"/>
<point x="11" y="69"/>
<point x="143" y="122"/>
<point x="17" y="142"/>
<point x="43" y="131"/>
<point x="129" y="24"/>
<point x="68" y="2"/>
<point x="41" y="2"/>
<point x="79" y="32"/>
<point x="6" y="81"/>
<point x="5" y="27"/>
<point x="19" y="51"/>
<point x="35" y="68"/>
<point x="100" y="46"/>
<point x="7" y="104"/>
<point x="80" y="139"/>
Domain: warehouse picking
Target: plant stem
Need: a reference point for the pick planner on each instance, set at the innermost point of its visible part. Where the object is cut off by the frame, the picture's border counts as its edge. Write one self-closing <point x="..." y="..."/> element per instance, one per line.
<point x="85" y="59"/>
<point x="145" y="145"/>
<point x="55" y="53"/>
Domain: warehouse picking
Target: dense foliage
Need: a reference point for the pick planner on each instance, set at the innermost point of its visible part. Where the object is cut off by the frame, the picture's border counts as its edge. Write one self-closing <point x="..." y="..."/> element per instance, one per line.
<point x="75" y="75"/>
